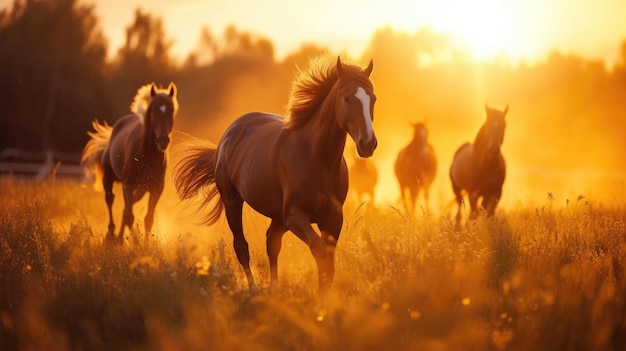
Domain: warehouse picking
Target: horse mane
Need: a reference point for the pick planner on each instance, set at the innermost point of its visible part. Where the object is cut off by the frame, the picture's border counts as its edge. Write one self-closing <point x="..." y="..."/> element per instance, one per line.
<point x="311" y="87"/>
<point x="143" y="98"/>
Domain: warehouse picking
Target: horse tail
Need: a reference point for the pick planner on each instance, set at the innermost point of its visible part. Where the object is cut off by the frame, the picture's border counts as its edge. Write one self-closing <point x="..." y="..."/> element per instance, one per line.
<point x="195" y="173"/>
<point x="92" y="153"/>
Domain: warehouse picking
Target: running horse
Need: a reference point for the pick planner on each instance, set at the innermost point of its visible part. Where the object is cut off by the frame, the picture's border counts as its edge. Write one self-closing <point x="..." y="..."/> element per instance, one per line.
<point x="415" y="168"/>
<point x="291" y="170"/>
<point x="363" y="179"/>
<point x="479" y="168"/>
<point x="133" y="152"/>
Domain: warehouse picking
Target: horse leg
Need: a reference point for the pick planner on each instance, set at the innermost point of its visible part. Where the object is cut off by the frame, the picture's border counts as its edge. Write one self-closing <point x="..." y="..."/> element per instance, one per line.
<point x="459" y="201"/>
<point x="403" y="199"/>
<point x="426" y="199"/>
<point x="330" y="229"/>
<point x="414" y="191"/>
<point x="234" y="207"/>
<point x="149" y="219"/>
<point x="298" y="222"/>
<point x="107" y="184"/>
<point x="491" y="203"/>
<point x="473" y="200"/>
<point x="128" y="218"/>
<point x="274" y="238"/>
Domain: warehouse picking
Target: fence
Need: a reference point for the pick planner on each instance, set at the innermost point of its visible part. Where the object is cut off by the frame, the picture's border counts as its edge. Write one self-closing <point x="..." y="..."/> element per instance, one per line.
<point x="41" y="165"/>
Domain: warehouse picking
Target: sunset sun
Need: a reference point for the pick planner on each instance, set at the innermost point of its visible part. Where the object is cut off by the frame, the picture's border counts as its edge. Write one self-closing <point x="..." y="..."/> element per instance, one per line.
<point x="484" y="28"/>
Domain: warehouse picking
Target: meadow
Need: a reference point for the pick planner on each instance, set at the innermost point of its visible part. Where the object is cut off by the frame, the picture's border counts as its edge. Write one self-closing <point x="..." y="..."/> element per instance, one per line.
<point x="546" y="276"/>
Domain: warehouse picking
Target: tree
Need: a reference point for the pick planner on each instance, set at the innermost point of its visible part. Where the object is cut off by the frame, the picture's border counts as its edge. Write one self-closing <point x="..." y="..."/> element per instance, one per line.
<point x="144" y="58"/>
<point x="53" y="62"/>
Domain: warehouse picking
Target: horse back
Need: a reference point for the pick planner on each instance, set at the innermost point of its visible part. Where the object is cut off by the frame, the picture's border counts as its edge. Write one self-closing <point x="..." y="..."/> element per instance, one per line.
<point x="413" y="163"/>
<point x="124" y="147"/>
<point x="246" y="163"/>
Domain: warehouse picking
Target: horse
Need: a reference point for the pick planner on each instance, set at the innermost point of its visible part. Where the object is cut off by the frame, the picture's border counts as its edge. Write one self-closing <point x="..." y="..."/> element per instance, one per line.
<point x="363" y="178"/>
<point x="134" y="152"/>
<point x="415" y="168"/>
<point x="479" y="168"/>
<point x="290" y="169"/>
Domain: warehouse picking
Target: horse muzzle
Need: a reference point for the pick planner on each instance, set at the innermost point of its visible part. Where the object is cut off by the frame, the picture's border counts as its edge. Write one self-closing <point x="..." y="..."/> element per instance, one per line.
<point x="366" y="148"/>
<point x="162" y="143"/>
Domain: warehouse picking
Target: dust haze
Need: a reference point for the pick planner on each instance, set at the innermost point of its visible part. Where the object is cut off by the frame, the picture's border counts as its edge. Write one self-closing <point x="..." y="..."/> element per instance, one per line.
<point x="564" y="131"/>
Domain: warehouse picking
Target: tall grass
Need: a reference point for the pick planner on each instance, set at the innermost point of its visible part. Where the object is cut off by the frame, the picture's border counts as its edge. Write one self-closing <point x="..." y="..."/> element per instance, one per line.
<point x="547" y="277"/>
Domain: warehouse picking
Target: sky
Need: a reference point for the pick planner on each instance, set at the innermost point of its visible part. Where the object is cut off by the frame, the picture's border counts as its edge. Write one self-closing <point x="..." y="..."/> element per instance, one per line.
<point x="519" y="29"/>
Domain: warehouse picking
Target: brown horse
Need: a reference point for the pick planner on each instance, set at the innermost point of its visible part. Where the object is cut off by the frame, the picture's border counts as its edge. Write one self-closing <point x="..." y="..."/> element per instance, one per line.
<point x="292" y="171"/>
<point x="133" y="152"/>
<point x="363" y="178"/>
<point x="415" y="168"/>
<point x="479" y="168"/>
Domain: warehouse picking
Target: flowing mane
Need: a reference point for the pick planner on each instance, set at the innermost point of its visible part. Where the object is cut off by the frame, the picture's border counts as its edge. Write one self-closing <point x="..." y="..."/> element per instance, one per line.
<point x="141" y="101"/>
<point x="144" y="97"/>
<point x="311" y="87"/>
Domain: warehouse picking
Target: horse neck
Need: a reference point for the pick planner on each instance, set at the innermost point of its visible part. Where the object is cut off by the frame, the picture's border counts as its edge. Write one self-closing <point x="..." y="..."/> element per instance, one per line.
<point x="148" y="140"/>
<point x="418" y="144"/>
<point x="480" y="142"/>
<point x="480" y="153"/>
<point x="328" y="140"/>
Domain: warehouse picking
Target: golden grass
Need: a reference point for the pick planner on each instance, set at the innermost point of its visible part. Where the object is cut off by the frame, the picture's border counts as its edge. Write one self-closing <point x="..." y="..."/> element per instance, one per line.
<point x="533" y="278"/>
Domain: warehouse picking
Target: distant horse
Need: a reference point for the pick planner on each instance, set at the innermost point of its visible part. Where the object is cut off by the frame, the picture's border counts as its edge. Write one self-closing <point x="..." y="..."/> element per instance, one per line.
<point x="479" y="168"/>
<point x="363" y="178"/>
<point x="415" y="168"/>
<point x="292" y="171"/>
<point x="133" y="152"/>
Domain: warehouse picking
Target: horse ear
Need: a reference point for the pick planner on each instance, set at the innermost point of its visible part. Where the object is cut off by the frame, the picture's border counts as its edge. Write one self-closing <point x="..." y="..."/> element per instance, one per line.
<point x="506" y="109"/>
<point x="152" y="90"/>
<point x="172" y="89"/>
<point x="370" y="68"/>
<point x="339" y="67"/>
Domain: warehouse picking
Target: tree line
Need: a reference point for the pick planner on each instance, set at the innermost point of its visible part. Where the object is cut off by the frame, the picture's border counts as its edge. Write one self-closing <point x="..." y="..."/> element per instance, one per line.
<point x="56" y="79"/>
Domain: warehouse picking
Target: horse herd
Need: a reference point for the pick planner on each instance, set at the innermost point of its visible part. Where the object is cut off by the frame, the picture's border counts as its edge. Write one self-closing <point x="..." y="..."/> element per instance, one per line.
<point x="477" y="171"/>
<point x="291" y="169"/>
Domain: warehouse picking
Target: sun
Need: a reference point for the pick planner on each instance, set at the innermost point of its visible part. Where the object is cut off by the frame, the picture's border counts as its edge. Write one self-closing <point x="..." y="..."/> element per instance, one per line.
<point x="483" y="27"/>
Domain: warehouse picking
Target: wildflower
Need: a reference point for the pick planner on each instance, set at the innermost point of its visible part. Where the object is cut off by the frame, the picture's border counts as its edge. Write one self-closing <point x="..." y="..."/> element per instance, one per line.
<point x="202" y="267"/>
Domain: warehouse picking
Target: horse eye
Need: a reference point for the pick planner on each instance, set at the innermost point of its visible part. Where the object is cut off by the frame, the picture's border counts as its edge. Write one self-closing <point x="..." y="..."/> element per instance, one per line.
<point x="346" y="99"/>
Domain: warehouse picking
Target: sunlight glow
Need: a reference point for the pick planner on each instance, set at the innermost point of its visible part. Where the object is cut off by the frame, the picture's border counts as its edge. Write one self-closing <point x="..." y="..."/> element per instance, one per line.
<point x="484" y="27"/>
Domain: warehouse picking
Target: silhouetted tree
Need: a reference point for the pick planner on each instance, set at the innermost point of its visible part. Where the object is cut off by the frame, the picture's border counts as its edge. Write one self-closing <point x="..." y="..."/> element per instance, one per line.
<point x="226" y="76"/>
<point x="144" y="58"/>
<point x="53" y="55"/>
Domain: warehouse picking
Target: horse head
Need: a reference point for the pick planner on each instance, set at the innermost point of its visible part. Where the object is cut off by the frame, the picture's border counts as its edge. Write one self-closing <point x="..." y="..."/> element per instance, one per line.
<point x="420" y="133"/>
<point x="494" y="129"/>
<point x="160" y="114"/>
<point x="354" y="106"/>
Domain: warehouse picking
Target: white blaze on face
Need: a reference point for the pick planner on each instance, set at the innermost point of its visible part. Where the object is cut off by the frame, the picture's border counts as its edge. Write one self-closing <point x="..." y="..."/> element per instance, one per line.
<point x="163" y="108"/>
<point x="365" y="102"/>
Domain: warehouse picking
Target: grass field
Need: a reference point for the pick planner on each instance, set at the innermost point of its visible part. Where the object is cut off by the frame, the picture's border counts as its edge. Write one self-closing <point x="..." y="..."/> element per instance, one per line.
<point x="538" y="277"/>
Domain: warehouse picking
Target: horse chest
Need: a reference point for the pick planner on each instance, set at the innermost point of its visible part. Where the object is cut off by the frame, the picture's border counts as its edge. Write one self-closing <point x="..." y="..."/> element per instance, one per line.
<point x="318" y="187"/>
<point x="147" y="170"/>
